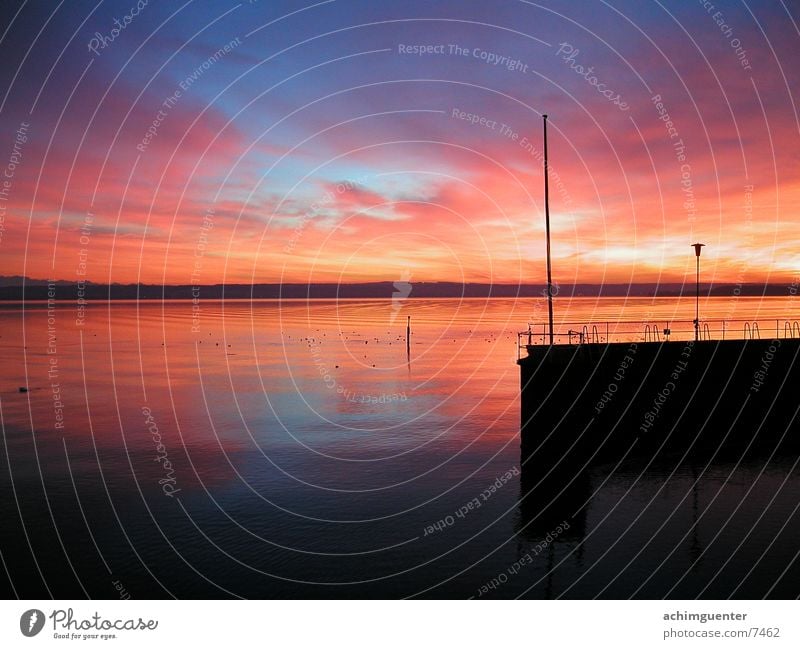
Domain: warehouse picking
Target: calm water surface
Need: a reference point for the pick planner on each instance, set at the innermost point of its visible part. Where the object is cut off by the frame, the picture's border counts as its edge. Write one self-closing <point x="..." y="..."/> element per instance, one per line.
<point x="298" y="449"/>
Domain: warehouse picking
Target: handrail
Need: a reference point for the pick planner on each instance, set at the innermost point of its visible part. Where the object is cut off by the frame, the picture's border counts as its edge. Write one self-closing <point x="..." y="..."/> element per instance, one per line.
<point x="666" y="331"/>
<point x="572" y="333"/>
<point x="651" y="333"/>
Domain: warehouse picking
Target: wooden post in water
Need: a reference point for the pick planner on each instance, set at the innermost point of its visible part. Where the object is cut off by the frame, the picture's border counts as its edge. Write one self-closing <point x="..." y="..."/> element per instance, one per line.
<point x="408" y="337"/>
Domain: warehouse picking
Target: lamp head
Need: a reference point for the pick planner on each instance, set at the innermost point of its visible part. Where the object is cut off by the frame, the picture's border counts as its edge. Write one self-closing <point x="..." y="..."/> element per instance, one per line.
<point x="697" y="247"/>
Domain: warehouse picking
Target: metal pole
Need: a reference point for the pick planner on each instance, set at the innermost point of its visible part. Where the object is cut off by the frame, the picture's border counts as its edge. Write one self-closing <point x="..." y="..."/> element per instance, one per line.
<point x="697" y="302"/>
<point x="697" y="247"/>
<point x="547" y="232"/>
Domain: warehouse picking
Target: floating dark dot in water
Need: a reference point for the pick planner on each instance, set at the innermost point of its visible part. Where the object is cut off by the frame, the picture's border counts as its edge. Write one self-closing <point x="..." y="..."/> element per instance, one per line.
<point x="337" y="367"/>
<point x="23" y="389"/>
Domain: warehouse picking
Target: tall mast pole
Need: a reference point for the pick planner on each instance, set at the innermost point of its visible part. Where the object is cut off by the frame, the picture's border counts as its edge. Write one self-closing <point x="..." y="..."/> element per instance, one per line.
<point x="547" y="231"/>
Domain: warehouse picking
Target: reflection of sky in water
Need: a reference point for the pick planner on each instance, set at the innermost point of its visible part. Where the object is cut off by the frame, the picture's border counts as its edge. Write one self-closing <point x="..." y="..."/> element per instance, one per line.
<point x="290" y="466"/>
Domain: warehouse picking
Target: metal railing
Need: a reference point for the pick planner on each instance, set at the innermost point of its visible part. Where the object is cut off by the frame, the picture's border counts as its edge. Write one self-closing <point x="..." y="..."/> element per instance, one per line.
<point x="622" y="331"/>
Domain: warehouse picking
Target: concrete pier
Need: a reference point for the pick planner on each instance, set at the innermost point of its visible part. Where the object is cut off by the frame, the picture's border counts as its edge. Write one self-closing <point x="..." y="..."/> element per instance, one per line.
<point x="590" y="403"/>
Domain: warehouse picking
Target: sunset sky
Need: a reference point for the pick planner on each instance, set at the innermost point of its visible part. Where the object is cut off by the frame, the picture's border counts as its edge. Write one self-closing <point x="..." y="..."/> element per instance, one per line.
<point x="313" y="142"/>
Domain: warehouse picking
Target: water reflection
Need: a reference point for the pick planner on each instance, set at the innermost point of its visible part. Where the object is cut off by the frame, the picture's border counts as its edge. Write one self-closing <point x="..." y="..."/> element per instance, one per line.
<point x="291" y="489"/>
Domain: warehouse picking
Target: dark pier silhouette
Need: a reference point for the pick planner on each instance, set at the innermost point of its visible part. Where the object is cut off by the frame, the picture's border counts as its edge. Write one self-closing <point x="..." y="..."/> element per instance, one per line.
<point x="600" y="392"/>
<point x="589" y="400"/>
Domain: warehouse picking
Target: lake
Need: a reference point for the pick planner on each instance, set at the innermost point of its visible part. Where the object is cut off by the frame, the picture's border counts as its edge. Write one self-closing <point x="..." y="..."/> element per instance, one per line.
<point x="284" y="449"/>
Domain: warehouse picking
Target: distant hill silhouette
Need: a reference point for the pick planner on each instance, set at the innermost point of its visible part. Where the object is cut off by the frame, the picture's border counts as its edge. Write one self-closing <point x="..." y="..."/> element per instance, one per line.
<point x="11" y="288"/>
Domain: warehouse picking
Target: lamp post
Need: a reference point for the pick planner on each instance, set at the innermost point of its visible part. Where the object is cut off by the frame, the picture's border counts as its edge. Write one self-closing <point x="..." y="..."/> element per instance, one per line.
<point x="697" y="248"/>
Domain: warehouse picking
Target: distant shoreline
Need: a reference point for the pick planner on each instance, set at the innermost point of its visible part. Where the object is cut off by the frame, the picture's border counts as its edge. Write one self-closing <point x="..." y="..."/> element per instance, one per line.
<point x="39" y="290"/>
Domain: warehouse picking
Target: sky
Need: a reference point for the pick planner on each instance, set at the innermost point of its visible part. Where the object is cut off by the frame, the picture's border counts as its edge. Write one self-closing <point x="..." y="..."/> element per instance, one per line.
<point x="350" y="141"/>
